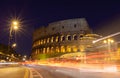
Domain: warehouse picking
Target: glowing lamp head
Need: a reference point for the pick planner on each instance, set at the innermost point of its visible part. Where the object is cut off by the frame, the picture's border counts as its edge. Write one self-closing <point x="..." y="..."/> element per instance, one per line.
<point x="93" y="42"/>
<point x="15" y="23"/>
<point x="105" y="41"/>
<point x="15" y="27"/>
<point x="14" y="45"/>
<point x="25" y="56"/>
<point x="109" y="40"/>
<point x="112" y="41"/>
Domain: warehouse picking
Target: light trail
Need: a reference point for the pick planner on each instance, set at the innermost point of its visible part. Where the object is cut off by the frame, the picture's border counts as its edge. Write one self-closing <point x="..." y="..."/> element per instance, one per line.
<point x="118" y="42"/>
<point x="106" y="37"/>
<point x="111" y="68"/>
<point x="8" y="63"/>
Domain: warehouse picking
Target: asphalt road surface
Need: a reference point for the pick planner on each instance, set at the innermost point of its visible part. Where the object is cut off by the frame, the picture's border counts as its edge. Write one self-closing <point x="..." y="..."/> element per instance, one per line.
<point x="46" y="71"/>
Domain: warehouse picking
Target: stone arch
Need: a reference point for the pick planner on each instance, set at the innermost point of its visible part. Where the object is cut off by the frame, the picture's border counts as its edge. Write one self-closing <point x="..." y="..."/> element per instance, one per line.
<point x="59" y="38"/>
<point x="52" y="49"/>
<point x="36" y="51"/>
<point x="52" y="39"/>
<point x="57" y="49"/>
<point x="44" y="41"/>
<point x="62" y="38"/>
<point x="48" y="49"/>
<point x="48" y="40"/>
<point x="44" y="50"/>
<point x="69" y="37"/>
<point x="41" y="41"/>
<point x="82" y="48"/>
<point x="41" y="51"/>
<point x="62" y="48"/>
<point x="75" y="49"/>
<point x="68" y="49"/>
<point x="56" y="39"/>
<point x="75" y="37"/>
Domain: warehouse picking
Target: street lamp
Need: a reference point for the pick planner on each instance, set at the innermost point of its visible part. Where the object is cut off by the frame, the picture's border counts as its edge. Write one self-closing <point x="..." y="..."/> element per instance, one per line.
<point x="13" y="27"/>
<point x="15" y="23"/>
<point x="14" y="45"/>
<point x="109" y="42"/>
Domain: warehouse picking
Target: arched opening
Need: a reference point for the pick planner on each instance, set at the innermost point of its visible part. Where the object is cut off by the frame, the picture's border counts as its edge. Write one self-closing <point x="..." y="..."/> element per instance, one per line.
<point x="57" y="49"/>
<point x="59" y="39"/>
<point x="75" y="37"/>
<point x="75" y="49"/>
<point x="68" y="49"/>
<point x="48" y="40"/>
<point x="52" y="39"/>
<point x="36" y="51"/>
<point x="52" y="49"/>
<point x="63" y="38"/>
<point x="82" y="48"/>
<point x="43" y="50"/>
<point x="48" y="49"/>
<point x="41" y="41"/>
<point x="56" y="39"/>
<point x="62" y="49"/>
<point x="44" y="41"/>
<point x="69" y="37"/>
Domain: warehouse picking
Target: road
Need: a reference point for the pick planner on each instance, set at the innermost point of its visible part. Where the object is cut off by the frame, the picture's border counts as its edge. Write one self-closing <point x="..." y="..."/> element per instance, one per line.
<point x="44" y="71"/>
<point x="48" y="71"/>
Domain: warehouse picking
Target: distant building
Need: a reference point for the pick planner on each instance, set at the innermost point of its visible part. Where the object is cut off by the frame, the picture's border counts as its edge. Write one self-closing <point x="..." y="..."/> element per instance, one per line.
<point x="72" y="35"/>
<point x="7" y="55"/>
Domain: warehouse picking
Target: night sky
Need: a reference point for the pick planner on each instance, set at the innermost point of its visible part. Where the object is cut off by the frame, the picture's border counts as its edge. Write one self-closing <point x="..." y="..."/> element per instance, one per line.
<point x="101" y="16"/>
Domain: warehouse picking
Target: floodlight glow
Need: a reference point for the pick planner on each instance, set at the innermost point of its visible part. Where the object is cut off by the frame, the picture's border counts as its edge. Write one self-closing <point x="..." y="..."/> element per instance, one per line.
<point x="15" y="23"/>
<point x="15" y="27"/>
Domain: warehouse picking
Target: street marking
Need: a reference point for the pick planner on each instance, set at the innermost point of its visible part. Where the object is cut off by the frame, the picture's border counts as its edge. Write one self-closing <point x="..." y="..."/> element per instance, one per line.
<point x="31" y="75"/>
<point x="35" y="74"/>
<point x="26" y="73"/>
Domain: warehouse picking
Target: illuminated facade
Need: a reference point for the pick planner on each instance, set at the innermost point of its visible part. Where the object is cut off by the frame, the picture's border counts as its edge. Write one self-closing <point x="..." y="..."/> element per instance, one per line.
<point x="72" y="35"/>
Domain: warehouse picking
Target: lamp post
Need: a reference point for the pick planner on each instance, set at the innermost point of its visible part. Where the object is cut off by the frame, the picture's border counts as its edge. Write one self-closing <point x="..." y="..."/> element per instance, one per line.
<point x="14" y="45"/>
<point x="13" y="28"/>
<point x="109" y="42"/>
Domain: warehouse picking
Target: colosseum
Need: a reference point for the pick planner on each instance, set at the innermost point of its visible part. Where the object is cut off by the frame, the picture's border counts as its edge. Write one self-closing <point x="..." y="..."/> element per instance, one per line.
<point x="66" y="36"/>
